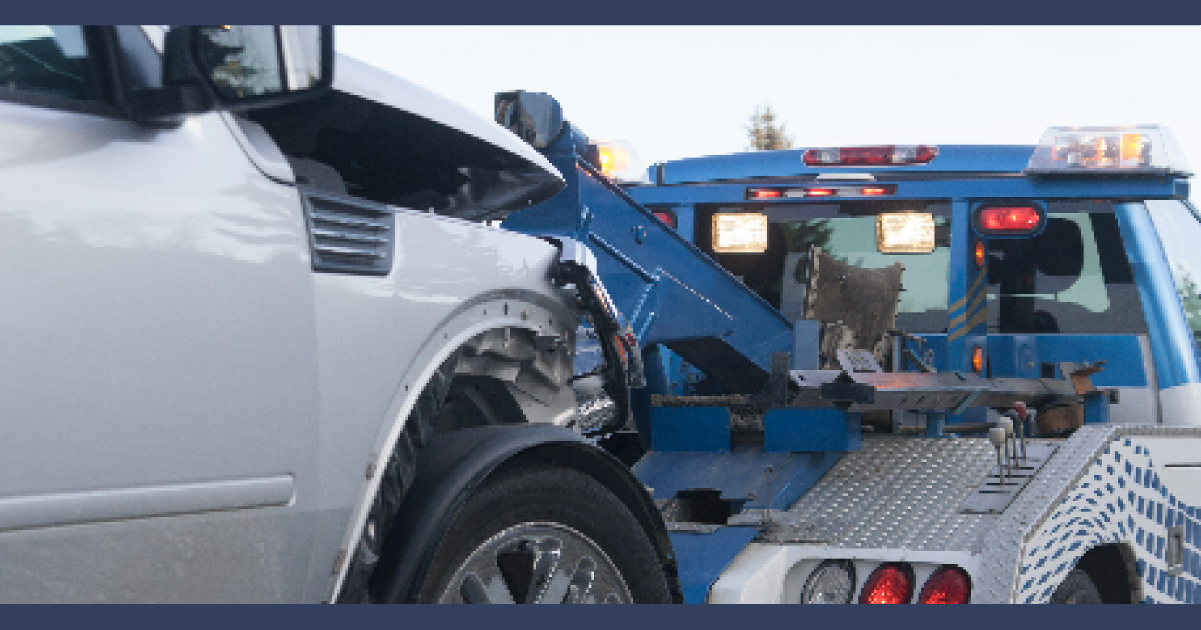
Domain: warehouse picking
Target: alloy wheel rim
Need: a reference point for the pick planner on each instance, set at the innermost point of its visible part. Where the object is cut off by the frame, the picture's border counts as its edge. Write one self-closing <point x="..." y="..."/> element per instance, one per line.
<point x="537" y="563"/>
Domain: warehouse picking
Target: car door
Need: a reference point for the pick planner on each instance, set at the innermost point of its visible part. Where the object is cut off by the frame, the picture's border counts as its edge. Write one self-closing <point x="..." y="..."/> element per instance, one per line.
<point x="157" y="348"/>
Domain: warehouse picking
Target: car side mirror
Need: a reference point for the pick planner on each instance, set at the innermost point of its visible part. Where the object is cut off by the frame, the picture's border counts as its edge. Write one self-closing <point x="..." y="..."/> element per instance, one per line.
<point x="238" y="68"/>
<point x="535" y="117"/>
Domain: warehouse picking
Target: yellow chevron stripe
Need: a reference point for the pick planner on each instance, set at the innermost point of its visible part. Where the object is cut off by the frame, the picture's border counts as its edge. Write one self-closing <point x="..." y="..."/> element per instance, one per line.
<point x="980" y="317"/>
<point x="975" y="286"/>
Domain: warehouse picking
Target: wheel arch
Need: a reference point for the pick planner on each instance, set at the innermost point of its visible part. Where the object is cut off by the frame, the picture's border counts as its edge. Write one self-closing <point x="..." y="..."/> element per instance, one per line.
<point x="532" y="317"/>
<point x="1113" y="569"/>
<point x="454" y="464"/>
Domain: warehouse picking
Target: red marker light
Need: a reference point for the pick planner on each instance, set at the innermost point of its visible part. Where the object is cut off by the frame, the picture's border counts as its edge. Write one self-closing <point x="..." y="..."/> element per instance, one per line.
<point x="867" y="192"/>
<point x="763" y="193"/>
<point x="888" y="155"/>
<point x="667" y="217"/>
<point x="820" y="192"/>
<point x="891" y="583"/>
<point x="947" y="585"/>
<point x="1009" y="219"/>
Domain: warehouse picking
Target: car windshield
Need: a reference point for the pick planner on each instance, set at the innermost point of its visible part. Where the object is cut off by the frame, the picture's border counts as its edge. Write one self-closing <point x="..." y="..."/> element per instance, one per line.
<point x="1179" y="229"/>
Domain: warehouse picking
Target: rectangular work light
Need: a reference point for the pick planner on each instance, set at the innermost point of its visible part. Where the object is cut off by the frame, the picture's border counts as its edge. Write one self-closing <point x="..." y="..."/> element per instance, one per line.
<point x="739" y="233"/>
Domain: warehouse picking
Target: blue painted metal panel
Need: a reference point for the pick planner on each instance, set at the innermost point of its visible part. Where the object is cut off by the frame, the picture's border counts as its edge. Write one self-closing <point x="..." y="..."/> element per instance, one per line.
<point x="1171" y="339"/>
<point x="750" y="479"/>
<point x="951" y="188"/>
<point x="967" y="302"/>
<point x="960" y="159"/>
<point x="806" y="344"/>
<point x="702" y="558"/>
<point x="677" y="429"/>
<point x="1012" y="355"/>
<point x="652" y="273"/>
<point x="1096" y="408"/>
<point x="793" y="430"/>
<point x="740" y="476"/>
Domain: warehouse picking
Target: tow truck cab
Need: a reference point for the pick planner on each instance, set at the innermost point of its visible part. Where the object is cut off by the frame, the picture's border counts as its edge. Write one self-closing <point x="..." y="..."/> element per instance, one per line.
<point x="1014" y="261"/>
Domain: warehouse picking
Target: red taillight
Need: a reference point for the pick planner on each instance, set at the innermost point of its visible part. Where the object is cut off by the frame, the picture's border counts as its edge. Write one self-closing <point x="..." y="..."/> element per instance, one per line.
<point x="869" y="192"/>
<point x="667" y="217"/>
<point x="1009" y="219"/>
<point x="763" y="193"/>
<point x="890" y="155"/>
<point x="820" y="192"/>
<point x="890" y="583"/>
<point x="948" y="585"/>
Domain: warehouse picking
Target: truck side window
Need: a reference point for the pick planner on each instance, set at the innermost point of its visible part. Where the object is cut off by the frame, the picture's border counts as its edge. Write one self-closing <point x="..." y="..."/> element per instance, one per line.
<point x="49" y="61"/>
<point x="1179" y="229"/>
<point x="1071" y="278"/>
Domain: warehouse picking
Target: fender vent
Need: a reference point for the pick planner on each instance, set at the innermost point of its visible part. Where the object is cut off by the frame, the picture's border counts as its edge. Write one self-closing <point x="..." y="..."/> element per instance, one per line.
<point x="349" y="236"/>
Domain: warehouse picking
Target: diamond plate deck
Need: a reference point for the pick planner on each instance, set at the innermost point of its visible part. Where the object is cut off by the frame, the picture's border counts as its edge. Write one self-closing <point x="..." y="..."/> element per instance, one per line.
<point x="895" y="493"/>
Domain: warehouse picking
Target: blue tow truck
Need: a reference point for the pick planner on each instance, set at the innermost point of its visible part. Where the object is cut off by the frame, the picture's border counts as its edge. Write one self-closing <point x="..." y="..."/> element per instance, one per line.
<point x="903" y="374"/>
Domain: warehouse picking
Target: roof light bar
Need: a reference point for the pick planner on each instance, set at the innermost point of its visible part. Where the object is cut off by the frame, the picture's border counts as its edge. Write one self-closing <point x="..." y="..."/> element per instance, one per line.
<point x="1150" y="149"/>
<point x="824" y="191"/>
<point x="888" y="155"/>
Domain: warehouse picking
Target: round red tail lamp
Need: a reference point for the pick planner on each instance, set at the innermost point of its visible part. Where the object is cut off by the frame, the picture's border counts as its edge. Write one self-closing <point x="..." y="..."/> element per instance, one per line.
<point x="890" y="583"/>
<point x="947" y="585"/>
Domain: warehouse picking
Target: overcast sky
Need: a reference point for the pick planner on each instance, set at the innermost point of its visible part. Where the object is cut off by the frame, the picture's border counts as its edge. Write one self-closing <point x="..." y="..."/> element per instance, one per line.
<point x="686" y="91"/>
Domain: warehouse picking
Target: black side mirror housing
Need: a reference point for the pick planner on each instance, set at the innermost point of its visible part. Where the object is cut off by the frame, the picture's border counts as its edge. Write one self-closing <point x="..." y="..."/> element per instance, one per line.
<point x="535" y="117"/>
<point x="239" y="68"/>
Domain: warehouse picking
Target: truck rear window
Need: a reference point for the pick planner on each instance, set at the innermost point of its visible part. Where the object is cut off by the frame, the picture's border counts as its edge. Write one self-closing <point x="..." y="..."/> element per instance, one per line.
<point x="1071" y="278"/>
<point x="846" y="231"/>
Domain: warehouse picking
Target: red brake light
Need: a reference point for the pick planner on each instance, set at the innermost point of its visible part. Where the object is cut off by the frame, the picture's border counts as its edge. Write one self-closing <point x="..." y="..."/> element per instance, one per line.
<point x="890" y="583"/>
<point x="868" y="192"/>
<point x="1009" y="219"/>
<point x="820" y="192"/>
<point x="763" y="193"/>
<point x="889" y="155"/>
<point x="948" y="585"/>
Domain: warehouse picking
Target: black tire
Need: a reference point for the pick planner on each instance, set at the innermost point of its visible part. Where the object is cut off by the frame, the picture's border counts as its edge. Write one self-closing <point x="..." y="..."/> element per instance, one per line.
<point x="530" y="501"/>
<point x="1077" y="588"/>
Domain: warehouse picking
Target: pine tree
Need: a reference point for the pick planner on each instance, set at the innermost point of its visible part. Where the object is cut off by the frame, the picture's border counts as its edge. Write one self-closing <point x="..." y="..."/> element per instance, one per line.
<point x="764" y="133"/>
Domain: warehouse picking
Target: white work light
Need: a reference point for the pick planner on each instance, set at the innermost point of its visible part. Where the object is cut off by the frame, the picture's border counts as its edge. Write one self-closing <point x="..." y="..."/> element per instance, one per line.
<point x="832" y="582"/>
<point x="905" y="233"/>
<point x="739" y="233"/>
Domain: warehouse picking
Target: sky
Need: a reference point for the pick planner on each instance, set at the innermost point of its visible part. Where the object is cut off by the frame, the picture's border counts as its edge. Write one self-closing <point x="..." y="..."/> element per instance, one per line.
<point x="685" y="91"/>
